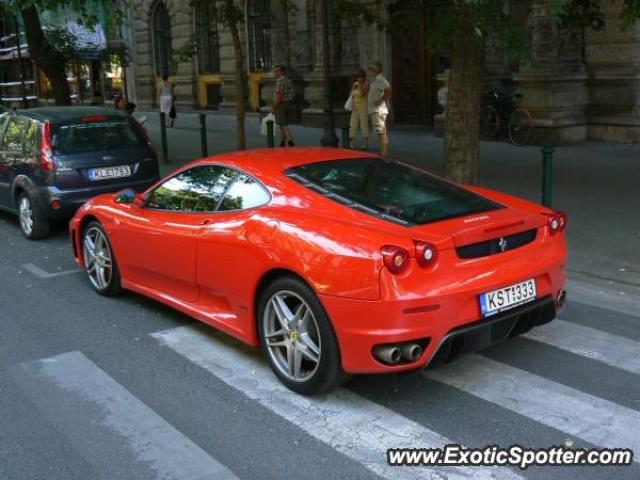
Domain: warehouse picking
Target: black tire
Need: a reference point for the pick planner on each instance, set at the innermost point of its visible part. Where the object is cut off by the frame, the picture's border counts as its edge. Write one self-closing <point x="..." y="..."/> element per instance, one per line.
<point x="520" y="127"/>
<point x="112" y="284"/>
<point x="32" y="225"/>
<point x="489" y="122"/>
<point x="328" y="374"/>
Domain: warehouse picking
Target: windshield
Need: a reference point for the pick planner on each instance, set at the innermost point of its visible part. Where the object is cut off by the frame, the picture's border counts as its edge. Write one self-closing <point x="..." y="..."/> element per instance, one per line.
<point x="392" y="190"/>
<point x="94" y="136"/>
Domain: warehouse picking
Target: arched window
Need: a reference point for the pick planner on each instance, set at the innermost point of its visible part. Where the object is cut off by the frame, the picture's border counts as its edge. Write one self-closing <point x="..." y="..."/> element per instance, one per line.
<point x="162" y="39"/>
<point x="207" y="39"/>
<point x="259" y="23"/>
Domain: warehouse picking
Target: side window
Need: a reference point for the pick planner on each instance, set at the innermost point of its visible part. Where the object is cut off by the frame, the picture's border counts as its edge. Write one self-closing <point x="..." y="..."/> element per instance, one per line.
<point x="30" y="138"/>
<point x="244" y="193"/>
<point x="198" y="189"/>
<point x="12" y="140"/>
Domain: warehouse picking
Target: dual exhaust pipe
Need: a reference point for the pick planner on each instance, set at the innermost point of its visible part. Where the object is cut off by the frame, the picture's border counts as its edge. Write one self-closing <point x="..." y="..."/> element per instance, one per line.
<point x="394" y="354"/>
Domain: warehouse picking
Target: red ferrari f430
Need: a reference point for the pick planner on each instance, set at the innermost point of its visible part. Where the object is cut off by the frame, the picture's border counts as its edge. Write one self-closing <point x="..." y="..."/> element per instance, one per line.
<point x="335" y="262"/>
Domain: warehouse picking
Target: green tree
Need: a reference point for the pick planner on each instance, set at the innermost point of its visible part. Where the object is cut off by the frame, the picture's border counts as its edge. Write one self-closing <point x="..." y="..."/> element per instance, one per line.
<point x="52" y="48"/>
<point x="470" y="28"/>
<point x="230" y="15"/>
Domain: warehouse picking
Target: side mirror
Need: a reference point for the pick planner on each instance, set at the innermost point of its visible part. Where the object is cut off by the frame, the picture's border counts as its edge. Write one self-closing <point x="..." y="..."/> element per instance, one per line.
<point x="125" y="196"/>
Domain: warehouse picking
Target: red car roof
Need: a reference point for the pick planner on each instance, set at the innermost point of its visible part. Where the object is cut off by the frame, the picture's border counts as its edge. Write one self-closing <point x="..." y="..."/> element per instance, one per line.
<point x="276" y="160"/>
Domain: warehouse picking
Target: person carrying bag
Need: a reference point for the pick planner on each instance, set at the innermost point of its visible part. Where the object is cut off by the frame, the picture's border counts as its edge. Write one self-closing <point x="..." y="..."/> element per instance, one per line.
<point x="357" y="103"/>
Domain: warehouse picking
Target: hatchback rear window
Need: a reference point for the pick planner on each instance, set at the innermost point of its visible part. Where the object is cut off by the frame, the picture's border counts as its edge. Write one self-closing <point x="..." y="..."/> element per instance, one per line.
<point x="390" y="190"/>
<point x="93" y="136"/>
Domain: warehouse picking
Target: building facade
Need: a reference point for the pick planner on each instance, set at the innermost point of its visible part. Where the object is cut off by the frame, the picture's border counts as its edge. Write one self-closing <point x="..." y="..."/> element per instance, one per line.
<point x="575" y="92"/>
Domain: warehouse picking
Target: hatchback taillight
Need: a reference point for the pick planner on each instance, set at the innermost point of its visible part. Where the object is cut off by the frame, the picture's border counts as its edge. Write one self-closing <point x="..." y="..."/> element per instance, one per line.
<point x="46" y="148"/>
<point x="395" y="258"/>
<point x="557" y="222"/>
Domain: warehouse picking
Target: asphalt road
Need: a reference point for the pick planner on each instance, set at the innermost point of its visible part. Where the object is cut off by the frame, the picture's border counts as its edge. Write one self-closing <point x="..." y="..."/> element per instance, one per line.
<point x="125" y="388"/>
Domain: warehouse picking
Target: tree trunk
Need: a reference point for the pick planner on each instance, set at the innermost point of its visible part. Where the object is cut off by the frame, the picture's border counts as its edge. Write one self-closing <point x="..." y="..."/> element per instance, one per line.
<point x="466" y="82"/>
<point x="46" y="58"/>
<point x="241" y="86"/>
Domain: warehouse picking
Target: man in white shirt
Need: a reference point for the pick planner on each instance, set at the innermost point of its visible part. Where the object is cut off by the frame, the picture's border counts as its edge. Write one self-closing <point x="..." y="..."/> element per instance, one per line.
<point x="379" y="94"/>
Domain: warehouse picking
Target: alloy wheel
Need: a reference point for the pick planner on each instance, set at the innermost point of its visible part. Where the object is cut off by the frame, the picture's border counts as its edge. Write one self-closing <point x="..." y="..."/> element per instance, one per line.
<point x="292" y="336"/>
<point x="97" y="258"/>
<point x="25" y="214"/>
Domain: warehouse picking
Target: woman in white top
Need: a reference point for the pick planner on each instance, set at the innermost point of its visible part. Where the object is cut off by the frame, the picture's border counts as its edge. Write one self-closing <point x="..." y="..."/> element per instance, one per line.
<point x="167" y="100"/>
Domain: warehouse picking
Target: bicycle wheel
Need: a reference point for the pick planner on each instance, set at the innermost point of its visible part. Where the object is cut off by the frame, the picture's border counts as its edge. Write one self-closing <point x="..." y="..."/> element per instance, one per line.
<point x="520" y="127"/>
<point x="489" y="122"/>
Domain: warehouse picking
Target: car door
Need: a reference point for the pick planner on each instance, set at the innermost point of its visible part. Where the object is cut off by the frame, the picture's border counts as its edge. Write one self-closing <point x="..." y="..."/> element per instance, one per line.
<point x="157" y="243"/>
<point x="11" y="149"/>
<point x="233" y="247"/>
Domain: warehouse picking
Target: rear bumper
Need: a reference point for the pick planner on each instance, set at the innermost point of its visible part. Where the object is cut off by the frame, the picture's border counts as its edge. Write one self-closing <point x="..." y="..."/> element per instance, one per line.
<point x="485" y="333"/>
<point x="72" y="200"/>
<point x="438" y="318"/>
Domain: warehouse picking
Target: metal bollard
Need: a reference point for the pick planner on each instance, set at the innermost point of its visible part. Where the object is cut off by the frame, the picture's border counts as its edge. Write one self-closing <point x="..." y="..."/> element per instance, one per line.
<point x="270" y="140"/>
<point x="203" y="134"/>
<point x="345" y="137"/>
<point x="163" y="136"/>
<point x="547" y="175"/>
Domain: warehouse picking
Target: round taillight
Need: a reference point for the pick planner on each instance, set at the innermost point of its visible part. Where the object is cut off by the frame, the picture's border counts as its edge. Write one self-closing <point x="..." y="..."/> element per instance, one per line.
<point x="426" y="253"/>
<point x="55" y="204"/>
<point x="394" y="258"/>
<point x="562" y="218"/>
<point x="557" y="222"/>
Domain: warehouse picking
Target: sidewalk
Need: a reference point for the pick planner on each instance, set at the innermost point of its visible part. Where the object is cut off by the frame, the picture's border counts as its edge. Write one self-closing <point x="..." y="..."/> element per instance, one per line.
<point x="597" y="184"/>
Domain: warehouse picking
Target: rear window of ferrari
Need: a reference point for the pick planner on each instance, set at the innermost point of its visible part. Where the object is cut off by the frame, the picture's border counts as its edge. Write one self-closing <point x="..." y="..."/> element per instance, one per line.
<point x="390" y="190"/>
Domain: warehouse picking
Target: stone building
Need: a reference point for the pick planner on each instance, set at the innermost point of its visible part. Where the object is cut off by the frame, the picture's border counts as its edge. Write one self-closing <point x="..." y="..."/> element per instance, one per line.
<point x="574" y="92"/>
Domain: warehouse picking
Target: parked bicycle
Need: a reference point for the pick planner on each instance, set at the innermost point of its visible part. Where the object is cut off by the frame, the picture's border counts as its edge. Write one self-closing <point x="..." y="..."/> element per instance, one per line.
<point x="502" y="113"/>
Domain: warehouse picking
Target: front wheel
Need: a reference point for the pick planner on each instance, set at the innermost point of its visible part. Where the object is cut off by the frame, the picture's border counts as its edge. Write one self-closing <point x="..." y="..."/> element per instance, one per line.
<point x="520" y="127"/>
<point x="99" y="261"/>
<point x="298" y="338"/>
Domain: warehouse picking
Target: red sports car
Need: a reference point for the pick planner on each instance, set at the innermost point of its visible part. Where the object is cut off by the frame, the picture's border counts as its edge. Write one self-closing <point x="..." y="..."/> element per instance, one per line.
<point x="337" y="262"/>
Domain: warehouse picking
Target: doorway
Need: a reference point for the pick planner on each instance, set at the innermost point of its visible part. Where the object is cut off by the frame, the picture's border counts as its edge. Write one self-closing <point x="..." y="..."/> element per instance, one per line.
<point x="413" y="76"/>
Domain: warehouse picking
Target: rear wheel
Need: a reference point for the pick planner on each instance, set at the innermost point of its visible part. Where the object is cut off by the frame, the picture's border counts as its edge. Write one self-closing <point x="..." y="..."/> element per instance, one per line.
<point x="33" y="226"/>
<point x="99" y="262"/>
<point x="298" y="338"/>
<point x="520" y="127"/>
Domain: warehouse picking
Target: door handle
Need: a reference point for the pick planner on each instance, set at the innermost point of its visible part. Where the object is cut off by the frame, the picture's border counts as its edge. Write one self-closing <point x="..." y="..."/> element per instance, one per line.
<point x="205" y="222"/>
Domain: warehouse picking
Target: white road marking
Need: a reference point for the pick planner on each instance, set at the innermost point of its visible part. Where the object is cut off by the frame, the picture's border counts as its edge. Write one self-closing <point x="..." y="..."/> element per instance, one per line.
<point x="41" y="273"/>
<point x="358" y="428"/>
<point x="78" y="394"/>
<point x="619" y="352"/>
<point x="600" y="422"/>
<point x="600" y="297"/>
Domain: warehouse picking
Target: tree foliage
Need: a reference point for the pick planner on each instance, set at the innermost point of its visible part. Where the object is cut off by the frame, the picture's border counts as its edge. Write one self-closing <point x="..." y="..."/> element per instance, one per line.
<point x="52" y="47"/>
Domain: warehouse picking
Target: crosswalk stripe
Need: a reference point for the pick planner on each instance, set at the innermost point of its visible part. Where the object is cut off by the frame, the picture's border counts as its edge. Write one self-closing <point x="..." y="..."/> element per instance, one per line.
<point x="72" y="387"/>
<point x="358" y="428"/>
<point x="619" y="352"/>
<point x="603" y="298"/>
<point x="600" y="422"/>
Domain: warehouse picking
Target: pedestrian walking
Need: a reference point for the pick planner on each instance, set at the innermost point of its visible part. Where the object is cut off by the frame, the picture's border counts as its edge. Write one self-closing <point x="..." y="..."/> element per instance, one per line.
<point x="379" y="94"/>
<point x="167" y="101"/>
<point x="359" y="110"/>
<point x="284" y="107"/>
